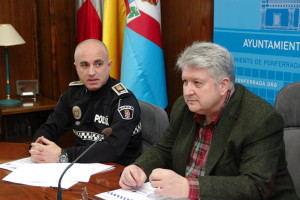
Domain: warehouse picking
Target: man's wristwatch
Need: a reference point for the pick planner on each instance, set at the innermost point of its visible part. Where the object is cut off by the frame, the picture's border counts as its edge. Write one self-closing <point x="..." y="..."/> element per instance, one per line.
<point x="63" y="158"/>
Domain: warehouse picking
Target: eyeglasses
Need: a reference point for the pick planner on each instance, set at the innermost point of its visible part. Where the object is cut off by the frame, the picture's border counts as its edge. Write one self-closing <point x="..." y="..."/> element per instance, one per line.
<point x="82" y="192"/>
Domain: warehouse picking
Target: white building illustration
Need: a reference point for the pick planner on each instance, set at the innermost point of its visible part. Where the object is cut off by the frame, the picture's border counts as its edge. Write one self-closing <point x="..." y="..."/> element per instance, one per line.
<point x="280" y="15"/>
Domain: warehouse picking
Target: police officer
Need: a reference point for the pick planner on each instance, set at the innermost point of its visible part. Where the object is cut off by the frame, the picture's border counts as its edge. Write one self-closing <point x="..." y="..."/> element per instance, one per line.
<point x="89" y="107"/>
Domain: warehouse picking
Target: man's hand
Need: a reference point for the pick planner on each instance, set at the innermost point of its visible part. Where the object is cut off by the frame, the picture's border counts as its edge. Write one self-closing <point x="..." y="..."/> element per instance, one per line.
<point x="169" y="183"/>
<point x="132" y="176"/>
<point x="44" y="151"/>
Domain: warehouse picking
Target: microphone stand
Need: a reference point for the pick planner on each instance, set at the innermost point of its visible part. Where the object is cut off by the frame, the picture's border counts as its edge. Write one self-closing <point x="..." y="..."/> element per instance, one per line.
<point x="59" y="191"/>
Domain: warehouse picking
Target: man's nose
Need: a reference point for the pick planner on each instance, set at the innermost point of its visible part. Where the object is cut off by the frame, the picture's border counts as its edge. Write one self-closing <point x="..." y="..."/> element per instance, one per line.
<point x="91" y="70"/>
<point x="188" y="89"/>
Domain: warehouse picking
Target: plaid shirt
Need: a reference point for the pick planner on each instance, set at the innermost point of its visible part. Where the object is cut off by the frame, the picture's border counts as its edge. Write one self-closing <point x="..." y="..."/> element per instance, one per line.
<point x="198" y="155"/>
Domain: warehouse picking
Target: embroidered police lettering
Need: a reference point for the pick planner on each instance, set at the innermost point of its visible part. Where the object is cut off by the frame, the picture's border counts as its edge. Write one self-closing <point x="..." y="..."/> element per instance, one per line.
<point x="101" y="119"/>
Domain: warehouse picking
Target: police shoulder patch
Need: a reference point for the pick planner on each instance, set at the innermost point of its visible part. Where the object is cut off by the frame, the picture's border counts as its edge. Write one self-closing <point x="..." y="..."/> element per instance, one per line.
<point x="75" y="83"/>
<point x="126" y="112"/>
<point x="119" y="89"/>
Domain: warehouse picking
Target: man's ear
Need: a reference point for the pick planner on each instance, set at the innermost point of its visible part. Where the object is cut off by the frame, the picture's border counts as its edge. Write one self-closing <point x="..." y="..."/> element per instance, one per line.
<point x="109" y="63"/>
<point x="224" y="85"/>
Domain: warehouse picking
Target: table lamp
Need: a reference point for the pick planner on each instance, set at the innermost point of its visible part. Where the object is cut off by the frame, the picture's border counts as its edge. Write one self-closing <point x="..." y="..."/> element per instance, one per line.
<point x="9" y="37"/>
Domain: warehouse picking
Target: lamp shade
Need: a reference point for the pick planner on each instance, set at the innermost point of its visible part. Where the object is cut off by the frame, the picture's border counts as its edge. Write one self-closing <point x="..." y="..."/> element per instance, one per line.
<point x="9" y="36"/>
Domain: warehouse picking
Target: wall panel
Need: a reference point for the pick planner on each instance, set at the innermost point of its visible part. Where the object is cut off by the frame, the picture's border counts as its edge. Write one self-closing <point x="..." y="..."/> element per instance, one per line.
<point x="56" y="30"/>
<point x="183" y="22"/>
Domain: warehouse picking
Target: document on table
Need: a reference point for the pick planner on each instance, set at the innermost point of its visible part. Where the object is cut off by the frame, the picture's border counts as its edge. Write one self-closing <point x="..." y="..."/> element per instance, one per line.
<point x="98" y="167"/>
<point x="145" y="192"/>
<point x="14" y="164"/>
<point x="24" y="171"/>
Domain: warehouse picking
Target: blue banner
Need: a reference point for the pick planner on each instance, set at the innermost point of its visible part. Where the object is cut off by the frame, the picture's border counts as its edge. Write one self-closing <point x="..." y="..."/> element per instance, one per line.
<point x="263" y="37"/>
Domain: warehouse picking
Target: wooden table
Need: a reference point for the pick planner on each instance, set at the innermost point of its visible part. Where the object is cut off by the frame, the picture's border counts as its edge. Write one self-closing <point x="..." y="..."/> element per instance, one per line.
<point x="27" y="106"/>
<point x="98" y="183"/>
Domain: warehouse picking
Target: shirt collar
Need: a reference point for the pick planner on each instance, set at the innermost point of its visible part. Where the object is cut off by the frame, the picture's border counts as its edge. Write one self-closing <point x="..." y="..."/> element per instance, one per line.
<point x="202" y="121"/>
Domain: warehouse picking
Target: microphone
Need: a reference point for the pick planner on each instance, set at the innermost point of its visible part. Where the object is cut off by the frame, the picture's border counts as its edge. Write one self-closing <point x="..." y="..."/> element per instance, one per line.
<point x="106" y="132"/>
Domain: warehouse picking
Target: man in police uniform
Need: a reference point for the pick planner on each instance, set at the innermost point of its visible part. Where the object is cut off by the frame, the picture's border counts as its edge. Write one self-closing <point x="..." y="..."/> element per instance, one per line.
<point x="89" y="107"/>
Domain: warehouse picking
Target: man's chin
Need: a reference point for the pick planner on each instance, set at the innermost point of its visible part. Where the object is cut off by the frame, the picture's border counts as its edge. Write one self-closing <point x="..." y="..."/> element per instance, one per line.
<point x="193" y="108"/>
<point x="92" y="88"/>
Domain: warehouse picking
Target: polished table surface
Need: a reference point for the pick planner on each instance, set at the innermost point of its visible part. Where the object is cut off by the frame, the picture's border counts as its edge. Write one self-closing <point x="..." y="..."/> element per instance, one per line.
<point x="29" y="105"/>
<point x="98" y="183"/>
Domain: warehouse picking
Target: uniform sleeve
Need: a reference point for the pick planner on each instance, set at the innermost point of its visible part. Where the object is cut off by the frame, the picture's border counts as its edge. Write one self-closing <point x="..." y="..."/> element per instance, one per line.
<point x="124" y="142"/>
<point x="57" y="123"/>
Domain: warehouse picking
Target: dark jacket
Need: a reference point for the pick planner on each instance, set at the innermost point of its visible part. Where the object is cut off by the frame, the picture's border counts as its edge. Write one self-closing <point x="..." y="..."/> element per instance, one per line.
<point x="88" y="113"/>
<point x="246" y="159"/>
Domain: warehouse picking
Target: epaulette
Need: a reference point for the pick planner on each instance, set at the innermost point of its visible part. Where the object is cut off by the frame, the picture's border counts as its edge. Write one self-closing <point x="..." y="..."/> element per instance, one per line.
<point x="119" y="89"/>
<point x="75" y="83"/>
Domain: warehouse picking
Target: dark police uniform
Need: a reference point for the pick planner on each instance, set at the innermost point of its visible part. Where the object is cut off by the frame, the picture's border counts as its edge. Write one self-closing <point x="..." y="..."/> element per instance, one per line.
<point x="88" y="113"/>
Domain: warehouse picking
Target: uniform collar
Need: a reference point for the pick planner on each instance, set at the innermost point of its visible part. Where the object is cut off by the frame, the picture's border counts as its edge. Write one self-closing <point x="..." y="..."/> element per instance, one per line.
<point x="101" y="90"/>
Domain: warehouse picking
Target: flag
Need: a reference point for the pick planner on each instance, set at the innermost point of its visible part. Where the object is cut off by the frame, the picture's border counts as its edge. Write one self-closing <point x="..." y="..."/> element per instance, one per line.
<point x="89" y="25"/>
<point x="143" y="69"/>
<point x="113" y="32"/>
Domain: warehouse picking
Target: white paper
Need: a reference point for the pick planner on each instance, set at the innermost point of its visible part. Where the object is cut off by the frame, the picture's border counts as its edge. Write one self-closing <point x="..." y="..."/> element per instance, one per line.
<point x="50" y="172"/>
<point x="98" y="167"/>
<point x="27" y="172"/>
<point x="14" y="164"/>
<point x="145" y="192"/>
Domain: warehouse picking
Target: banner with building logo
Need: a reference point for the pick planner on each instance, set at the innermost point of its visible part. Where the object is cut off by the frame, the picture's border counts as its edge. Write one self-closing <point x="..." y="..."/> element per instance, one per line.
<point x="264" y="39"/>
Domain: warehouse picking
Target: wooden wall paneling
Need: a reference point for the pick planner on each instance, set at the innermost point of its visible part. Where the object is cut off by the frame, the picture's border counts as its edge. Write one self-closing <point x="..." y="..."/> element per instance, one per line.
<point x="54" y="45"/>
<point x="66" y="42"/>
<point x="57" y="40"/>
<point x="182" y="23"/>
<point x="22" y="58"/>
<point x="44" y="49"/>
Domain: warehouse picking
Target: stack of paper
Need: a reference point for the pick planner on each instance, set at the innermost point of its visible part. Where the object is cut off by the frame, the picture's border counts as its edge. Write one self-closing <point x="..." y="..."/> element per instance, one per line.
<point x="11" y="166"/>
<point x="145" y="192"/>
<point x="26" y="172"/>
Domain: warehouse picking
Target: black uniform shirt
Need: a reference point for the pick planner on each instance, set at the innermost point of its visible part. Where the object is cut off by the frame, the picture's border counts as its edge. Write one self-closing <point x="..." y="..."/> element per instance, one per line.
<point x="88" y="113"/>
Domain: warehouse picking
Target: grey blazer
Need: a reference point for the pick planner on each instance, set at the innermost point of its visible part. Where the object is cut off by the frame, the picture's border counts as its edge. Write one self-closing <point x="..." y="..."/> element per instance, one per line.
<point x="246" y="159"/>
